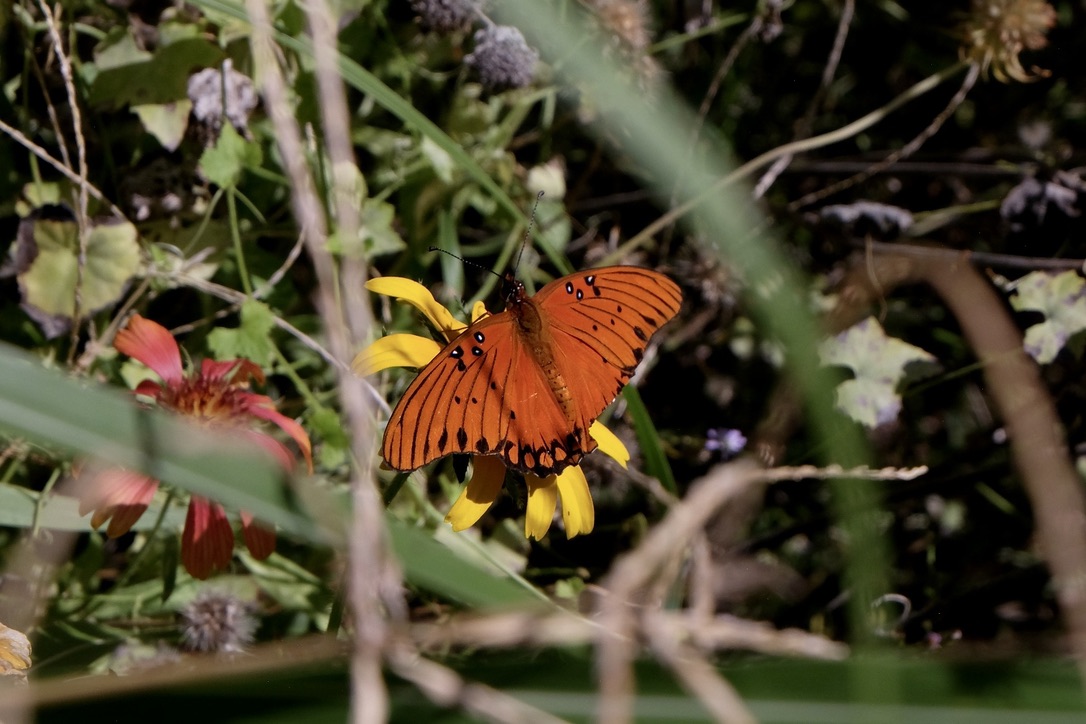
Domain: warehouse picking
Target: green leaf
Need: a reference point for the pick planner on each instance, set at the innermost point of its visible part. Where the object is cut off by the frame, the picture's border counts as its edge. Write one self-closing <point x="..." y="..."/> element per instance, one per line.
<point x="49" y="408"/>
<point x="134" y="80"/>
<point x="433" y="567"/>
<point x="879" y="363"/>
<point x="113" y="258"/>
<point x="251" y="340"/>
<point x="223" y="163"/>
<point x="165" y="121"/>
<point x="333" y="445"/>
<point x="376" y="237"/>
<point x="1061" y="299"/>
<point x="18" y="507"/>
<point x="656" y="463"/>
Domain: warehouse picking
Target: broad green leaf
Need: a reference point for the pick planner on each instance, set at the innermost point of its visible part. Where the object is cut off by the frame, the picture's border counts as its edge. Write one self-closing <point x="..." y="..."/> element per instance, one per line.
<point x="224" y="162"/>
<point x="61" y="512"/>
<point x="51" y="409"/>
<point x="433" y="567"/>
<point x="133" y="80"/>
<point x="113" y="258"/>
<point x="250" y="340"/>
<point x="1061" y="298"/>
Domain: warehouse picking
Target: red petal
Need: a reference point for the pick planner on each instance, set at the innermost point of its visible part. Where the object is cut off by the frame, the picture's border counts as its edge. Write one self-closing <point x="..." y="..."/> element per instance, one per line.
<point x="259" y="538"/>
<point x="262" y="407"/>
<point x="151" y="344"/>
<point x="279" y="451"/>
<point x="207" y="545"/>
<point x="117" y="495"/>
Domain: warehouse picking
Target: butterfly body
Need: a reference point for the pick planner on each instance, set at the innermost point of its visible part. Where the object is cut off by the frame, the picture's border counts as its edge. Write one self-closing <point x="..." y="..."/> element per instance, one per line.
<point x="527" y="383"/>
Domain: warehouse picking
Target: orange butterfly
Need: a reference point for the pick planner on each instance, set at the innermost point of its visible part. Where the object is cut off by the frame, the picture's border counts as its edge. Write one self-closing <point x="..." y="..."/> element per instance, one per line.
<point x="525" y="384"/>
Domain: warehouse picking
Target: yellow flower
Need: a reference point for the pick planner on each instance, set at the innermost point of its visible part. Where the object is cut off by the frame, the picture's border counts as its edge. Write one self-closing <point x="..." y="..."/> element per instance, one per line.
<point x="570" y="486"/>
<point x="998" y="31"/>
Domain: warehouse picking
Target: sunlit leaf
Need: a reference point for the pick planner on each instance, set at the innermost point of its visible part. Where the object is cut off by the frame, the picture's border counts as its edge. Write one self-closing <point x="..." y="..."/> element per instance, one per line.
<point x="49" y="283"/>
<point x="878" y="362"/>
<point x="1061" y="298"/>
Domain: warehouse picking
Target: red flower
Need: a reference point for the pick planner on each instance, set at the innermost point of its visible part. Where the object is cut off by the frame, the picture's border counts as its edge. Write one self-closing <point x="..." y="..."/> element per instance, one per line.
<point x="216" y="396"/>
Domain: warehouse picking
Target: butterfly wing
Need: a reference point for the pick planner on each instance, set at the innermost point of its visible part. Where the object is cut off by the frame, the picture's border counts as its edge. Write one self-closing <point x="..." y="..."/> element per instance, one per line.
<point x="484" y="393"/>
<point x="526" y="390"/>
<point x="599" y="322"/>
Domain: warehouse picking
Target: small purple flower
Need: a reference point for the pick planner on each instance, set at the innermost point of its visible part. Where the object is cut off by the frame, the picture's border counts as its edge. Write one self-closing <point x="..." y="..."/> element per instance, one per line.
<point x="727" y="441"/>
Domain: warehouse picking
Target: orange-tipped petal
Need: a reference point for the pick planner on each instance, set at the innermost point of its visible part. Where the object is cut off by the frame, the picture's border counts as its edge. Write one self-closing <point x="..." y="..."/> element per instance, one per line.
<point x="609" y="443"/>
<point x="479" y="494"/>
<point x="151" y="344"/>
<point x="259" y="538"/>
<point x="578" y="513"/>
<point x="421" y="299"/>
<point x="542" y="502"/>
<point x="207" y="544"/>
<point x="395" y="350"/>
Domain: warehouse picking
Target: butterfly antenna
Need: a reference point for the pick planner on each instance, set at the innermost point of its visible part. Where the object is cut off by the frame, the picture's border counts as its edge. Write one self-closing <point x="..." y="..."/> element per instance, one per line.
<point x="466" y="261"/>
<point x="527" y="232"/>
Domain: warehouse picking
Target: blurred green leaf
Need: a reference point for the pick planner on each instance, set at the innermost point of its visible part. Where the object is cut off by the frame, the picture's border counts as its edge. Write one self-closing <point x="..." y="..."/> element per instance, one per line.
<point x="46" y="407"/>
<point x="433" y="567"/>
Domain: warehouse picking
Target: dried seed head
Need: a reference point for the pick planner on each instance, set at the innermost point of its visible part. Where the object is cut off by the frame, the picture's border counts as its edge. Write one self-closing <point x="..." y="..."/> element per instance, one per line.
<point x="444" y="16"/>
<point x="997" y="32"/>
<point x="502" y="58"/>
<point x="216" y="622"/>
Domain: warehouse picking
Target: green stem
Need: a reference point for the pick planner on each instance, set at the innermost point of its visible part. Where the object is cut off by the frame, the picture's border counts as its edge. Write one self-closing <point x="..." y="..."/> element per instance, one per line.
<point x="235" y="234"/>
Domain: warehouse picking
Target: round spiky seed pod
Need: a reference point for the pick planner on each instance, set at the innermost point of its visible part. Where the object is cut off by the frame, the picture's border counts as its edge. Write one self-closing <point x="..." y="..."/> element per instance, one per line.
<point x="444" y="16"/>
<point x="502" y="58"/>
<point x="216" y="622"/>
<point x="998" y="31"/>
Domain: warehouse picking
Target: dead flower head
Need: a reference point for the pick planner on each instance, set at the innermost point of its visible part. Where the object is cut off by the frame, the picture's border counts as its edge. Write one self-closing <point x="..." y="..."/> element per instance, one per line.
<point x="997" y="32"/>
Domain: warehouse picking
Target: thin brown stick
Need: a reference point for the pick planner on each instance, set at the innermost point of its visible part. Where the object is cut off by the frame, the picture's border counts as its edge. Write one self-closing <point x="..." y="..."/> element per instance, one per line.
<point x="904" y="152"/>
<point x="372" y="580"/>
<point x="694" y="671"/>
<point x="633" y="573"/>
<point x="803" y="129"/>
<point x="16" y="135"/>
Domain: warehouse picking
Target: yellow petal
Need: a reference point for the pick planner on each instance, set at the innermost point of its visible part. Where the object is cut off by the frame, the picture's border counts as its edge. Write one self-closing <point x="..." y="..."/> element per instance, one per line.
<point x="14" y="651"/>
<point x="478" y="311"/>
<point x="609" y="443"/>
<point x="542" y="502"/>
<point x="578" y="513"/>
<point x="395" y="350"/>
<point x="479" y="494"/>
<point x="421" y="299"/>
